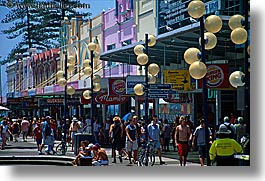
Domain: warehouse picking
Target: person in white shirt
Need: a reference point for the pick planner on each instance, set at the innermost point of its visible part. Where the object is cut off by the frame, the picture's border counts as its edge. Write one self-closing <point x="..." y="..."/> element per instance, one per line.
<point x="25" y="128"/>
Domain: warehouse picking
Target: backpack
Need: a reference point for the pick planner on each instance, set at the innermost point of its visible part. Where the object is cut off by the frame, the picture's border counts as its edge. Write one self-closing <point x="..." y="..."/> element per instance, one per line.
<point x="231" y="135"/>
<point x="48" y="130"/>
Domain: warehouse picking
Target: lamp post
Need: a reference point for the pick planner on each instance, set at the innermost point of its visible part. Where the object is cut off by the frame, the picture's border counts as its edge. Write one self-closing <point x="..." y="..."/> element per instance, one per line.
<point x="150" y="70"/>
<point x="65" y="103"/>
<point x="95" y="79"/>
<point x="146" y="101"/>
<point x="208" y="40"/>
<point x="198" y="69"/>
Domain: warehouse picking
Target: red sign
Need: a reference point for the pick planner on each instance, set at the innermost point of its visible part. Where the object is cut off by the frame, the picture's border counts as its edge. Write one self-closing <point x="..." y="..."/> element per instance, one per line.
<point x="217" y="76"/>
<point x="117" y="86"/>
<point x="104" y="98"/>
<point x="84" y="101"/>
<point x="24" y="93"/>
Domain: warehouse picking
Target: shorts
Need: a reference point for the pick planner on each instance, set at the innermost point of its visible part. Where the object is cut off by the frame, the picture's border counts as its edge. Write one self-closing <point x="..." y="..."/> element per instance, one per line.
<point x="38" y="141"/>
<point x="47" y="141"/>
<point x="155" y="144"/>
<point x="131" y="146"/>
<point x="183" y="149"/>
<point x="202" y="151"/>
<point x="73" y="134"/>
<point x="100" y="162"/>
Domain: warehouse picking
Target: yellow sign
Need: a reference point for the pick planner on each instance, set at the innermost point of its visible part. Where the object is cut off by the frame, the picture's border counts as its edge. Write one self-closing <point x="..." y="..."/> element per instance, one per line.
<point x="180" y="79"/>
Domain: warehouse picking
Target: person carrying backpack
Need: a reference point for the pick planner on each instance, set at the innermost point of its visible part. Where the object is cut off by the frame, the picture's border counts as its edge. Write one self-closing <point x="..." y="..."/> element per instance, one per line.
<point x="230" y="127"/>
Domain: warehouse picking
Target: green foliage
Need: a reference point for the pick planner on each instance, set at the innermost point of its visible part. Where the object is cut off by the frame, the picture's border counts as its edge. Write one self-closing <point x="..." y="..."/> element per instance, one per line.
<point x="38" y="27"/>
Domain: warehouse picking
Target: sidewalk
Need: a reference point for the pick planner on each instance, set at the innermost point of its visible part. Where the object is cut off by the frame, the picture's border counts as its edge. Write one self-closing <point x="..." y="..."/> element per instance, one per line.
<point x="171" y="158"/>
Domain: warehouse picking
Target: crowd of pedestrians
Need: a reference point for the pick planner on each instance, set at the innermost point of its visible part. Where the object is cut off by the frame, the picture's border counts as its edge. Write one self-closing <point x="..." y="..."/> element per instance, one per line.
<point x="126" y="137"/>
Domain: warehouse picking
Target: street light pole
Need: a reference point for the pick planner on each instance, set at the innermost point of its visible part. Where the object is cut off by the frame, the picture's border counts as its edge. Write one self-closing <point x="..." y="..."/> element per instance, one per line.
<point x="204" y="93"/>
<point x="92" y="91"/>
<point x="246" y="71"/>
<point x="65" y="102"/>
<point x="146" y="102"/>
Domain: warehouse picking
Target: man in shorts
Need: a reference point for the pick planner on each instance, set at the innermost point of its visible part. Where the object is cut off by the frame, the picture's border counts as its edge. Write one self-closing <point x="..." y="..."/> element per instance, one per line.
<point x="153" y="130"/>
<point x="199" y="138"/>
<point x="182" y="136"/>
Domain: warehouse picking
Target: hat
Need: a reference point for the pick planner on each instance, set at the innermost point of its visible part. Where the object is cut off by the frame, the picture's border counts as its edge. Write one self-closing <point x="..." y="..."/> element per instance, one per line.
<point x="90" y="146"/>
<point x="95" y="147"/>
<point x="223" y="130"/>
<point x="98" y="145"/>
<point x="74" y="119"/>
<point x="48" y="117"/>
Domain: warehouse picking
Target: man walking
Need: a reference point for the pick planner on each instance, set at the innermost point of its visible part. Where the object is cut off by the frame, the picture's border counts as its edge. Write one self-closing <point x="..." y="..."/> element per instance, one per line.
<point x="153" y="130"/>
<point x="182" y="136"/>
<point x="25" y="128"/>
<point x="47" y="138"/>
<point x="131" y="141"/>
<point x="199" y="138"/>
<point x="115" y="133"/>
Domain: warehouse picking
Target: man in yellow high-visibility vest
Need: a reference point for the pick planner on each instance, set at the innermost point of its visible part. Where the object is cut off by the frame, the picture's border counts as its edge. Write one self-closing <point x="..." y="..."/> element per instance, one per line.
<point x="223" y="149"/>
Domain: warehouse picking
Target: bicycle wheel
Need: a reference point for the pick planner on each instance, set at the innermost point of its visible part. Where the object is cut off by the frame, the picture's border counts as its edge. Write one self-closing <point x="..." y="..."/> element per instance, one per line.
<point x="61" y="149"/>
<point x="152" y="159"/>
<point x="140" y="159"/>
<point x="144" y="159"/>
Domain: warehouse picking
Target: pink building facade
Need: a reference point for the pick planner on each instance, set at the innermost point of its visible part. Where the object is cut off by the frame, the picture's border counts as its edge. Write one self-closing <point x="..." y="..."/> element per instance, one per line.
<point x="119" y="30"/>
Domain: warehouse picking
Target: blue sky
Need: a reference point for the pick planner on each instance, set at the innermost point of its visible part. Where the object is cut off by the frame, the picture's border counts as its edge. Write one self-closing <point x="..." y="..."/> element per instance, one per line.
<point x="6" y="45"/>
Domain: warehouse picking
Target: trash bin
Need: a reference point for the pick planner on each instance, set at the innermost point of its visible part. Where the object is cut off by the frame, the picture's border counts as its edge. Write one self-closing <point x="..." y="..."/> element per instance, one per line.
<point x="86" y="161"/>
<point x="78" y="137"/>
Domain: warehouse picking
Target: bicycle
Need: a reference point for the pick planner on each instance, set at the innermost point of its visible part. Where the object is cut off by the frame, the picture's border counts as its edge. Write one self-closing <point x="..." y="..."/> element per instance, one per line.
<point x="146" y="153"/>
<point x="61" y="148"/>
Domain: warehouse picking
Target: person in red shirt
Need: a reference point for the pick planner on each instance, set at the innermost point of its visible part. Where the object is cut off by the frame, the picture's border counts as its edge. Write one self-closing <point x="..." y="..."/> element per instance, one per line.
<point x="53" y="125"/>
<point x="38" y="135"/>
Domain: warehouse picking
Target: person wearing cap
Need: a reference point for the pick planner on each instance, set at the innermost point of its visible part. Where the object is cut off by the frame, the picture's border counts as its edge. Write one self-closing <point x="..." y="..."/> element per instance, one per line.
<point x="100" y="156"/>
<point x="223" y="149"/>
<point x="199" y="139"/>
<point x="73" y="129"/>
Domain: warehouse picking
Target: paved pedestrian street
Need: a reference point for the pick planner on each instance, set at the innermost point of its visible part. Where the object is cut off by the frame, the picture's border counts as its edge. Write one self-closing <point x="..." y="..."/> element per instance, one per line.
<point x="29" y="148"/>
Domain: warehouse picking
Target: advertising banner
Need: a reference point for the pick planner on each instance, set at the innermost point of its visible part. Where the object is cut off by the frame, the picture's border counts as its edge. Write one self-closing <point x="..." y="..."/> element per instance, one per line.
<point x="48" y="89"/>
<point x="217" y="76"/>
<point x="117" y="86"/>
<point x="39" y="90"/>
<point x="31" y="92"/>
<point x="180" y="79"/>
<point x="104" y="98"/>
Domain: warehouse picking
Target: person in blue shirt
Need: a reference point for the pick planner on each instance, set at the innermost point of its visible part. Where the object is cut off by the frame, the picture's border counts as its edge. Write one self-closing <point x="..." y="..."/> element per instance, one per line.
<point x="154" y="136"/>
<point x="199" y="138"/>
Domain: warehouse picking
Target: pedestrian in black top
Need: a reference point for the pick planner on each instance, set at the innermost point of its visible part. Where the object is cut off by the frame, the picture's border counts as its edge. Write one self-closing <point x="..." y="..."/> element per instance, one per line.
<point x="116" y="132"/>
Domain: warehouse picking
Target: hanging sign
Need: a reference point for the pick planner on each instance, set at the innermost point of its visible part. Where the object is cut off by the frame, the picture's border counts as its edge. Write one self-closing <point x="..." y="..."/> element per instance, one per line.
<point x="104" y="98"/>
